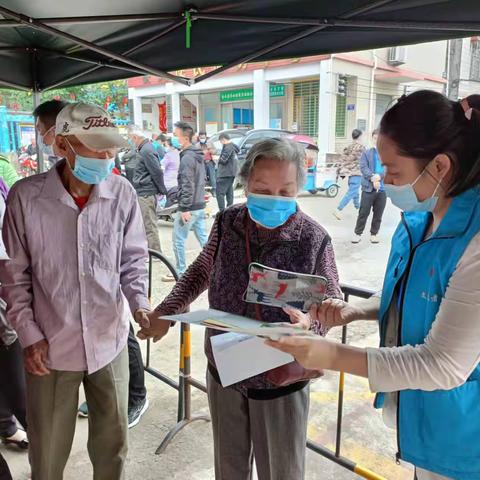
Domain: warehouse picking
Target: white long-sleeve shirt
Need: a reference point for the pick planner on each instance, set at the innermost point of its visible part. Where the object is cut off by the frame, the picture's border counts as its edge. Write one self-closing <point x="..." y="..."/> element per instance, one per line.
<point x="452" y="348"/>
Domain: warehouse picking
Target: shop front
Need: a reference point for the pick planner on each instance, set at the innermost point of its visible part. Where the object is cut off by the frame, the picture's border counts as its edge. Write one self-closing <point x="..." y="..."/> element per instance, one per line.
<point x="227" y="109"/>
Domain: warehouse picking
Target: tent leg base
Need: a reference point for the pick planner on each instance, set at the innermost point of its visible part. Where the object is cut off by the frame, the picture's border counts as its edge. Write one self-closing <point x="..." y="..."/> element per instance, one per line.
<point x="177" y="429"/>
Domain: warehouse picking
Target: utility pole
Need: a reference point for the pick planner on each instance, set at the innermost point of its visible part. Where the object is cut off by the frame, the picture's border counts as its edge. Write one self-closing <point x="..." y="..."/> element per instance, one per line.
<point x="455" y="63"/>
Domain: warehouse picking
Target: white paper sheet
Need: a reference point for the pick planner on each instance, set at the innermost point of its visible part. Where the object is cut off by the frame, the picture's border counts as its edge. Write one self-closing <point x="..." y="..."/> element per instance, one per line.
<point x="239" y="356"/>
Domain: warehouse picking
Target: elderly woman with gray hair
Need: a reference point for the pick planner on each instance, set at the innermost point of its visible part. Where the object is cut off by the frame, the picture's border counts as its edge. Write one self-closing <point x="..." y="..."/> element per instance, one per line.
<point x="265" y="416"/>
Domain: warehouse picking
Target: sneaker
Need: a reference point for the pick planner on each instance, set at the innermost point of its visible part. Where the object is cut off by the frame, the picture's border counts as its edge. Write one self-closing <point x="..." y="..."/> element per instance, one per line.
<point x="135" y="413"/>
<point x="168" y="278"/>
<point x="83" y="410"/>
<point x="356" y="239"/>
<point x="19" y="439"/>
<point x="337" y="214"/>
<point x="374" y="239"/>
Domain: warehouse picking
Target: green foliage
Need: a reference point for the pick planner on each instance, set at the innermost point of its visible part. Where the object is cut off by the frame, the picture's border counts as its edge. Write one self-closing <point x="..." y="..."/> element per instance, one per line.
<point x="98" y="93"/>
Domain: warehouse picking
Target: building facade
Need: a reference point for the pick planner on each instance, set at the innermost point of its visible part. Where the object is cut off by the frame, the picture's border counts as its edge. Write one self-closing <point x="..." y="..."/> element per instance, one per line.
<point x="325" y="96"/>
<point x="469" y="81"/>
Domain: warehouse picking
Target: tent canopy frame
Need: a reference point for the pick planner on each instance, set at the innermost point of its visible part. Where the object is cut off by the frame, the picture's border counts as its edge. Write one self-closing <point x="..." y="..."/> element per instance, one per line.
<point x="106" y="58"/>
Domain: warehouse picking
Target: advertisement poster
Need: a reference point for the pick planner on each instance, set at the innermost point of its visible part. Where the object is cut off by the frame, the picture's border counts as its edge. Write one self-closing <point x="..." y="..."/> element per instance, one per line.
<point x="27" y="134"/>
<point x="162" y="117"/>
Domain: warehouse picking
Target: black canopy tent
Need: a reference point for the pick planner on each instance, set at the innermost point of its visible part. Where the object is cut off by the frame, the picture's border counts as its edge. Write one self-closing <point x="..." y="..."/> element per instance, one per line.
<point x="50" y="43"/>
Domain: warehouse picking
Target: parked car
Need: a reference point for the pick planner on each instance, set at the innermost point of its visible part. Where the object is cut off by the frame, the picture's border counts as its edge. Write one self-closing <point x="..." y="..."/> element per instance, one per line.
<point x="245" y="139"/>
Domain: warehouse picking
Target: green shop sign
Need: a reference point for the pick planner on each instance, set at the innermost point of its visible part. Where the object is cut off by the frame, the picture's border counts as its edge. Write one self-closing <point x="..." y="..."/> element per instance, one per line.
<point x="247" y="93"/>
<point x="277" y="90"/>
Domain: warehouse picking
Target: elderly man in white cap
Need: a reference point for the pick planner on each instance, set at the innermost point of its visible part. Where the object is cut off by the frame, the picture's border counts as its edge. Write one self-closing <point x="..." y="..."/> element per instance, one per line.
<point x="76" y="274"/>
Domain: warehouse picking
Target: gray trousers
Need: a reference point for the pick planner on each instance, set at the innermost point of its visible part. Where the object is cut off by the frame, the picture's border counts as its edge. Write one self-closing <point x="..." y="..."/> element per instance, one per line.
<point x="52" y="403"/>
<point x="148" y="207"/>
<point x="272" y="431"/>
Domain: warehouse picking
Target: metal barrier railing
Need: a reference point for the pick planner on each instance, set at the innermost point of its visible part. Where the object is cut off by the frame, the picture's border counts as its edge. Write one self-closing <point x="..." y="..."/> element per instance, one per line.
<point x="186" y="381"/>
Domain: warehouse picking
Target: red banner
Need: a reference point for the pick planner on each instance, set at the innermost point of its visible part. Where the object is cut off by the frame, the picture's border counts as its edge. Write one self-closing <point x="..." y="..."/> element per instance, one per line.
<point x="162" y="116"/>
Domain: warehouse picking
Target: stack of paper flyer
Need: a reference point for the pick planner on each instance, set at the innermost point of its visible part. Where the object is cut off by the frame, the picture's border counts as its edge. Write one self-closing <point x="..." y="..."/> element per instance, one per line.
<point x="229" y="322"/>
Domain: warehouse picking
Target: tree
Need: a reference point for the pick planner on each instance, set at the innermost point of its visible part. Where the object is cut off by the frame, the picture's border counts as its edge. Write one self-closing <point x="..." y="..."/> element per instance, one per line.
<point x="113" y="96"/>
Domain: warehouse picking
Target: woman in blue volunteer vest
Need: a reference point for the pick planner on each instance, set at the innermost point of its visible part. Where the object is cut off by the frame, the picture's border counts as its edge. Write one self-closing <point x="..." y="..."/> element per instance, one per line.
<point x="426" y="370"/>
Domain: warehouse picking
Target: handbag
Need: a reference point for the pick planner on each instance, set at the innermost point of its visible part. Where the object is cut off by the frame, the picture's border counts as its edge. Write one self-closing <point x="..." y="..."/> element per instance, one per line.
<point x="292" y="372"/>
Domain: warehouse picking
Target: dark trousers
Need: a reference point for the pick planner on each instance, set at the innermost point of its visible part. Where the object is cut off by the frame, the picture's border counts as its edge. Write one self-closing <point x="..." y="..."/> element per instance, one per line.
<point x="211" y="176"/>
<point x="136" y="387"/>
<point x="4" y="470"/>
<point x="12" y="389"/>
<point x="375" y="201"/>
<point x="225" y="189"/>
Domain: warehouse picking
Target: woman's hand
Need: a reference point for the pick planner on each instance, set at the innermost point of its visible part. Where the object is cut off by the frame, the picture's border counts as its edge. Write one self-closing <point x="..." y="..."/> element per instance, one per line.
<point x="334" y="312"/>
<point x="311" y="352"/>
<point x="141" y="317"/>
<point x="297" y="317"/>
<point x="158" y="328"/>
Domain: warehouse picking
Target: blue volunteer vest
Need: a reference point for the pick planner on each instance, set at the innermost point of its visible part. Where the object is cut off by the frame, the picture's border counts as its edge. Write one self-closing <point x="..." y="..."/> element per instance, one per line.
<point x="440" y="430"/>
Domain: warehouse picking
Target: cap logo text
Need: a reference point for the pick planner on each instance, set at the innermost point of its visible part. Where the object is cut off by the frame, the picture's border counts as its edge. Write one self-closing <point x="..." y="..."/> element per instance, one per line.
<point x="95" y="122"/>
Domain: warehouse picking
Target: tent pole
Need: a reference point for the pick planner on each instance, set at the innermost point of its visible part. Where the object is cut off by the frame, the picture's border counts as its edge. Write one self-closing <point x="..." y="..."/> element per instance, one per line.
<point x="147" y="17"/>
<point x="91" y="62"/>
<point x="161" y="34"/>
<point x="14" y="85"/>
<point x="40" y="159"/>
<point x="337" y="22"/>
<point x="36" y="103"/>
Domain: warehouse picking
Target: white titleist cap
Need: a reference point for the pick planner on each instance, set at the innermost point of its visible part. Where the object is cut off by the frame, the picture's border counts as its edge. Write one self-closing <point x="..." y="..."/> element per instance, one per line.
<point x="92" y="125"/>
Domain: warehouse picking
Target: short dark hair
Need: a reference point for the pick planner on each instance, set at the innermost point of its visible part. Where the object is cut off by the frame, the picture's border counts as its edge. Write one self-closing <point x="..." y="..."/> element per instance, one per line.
<point x="186" y="129"/>
<point x="425" y="124"/>
<point x="375" y="132"/>
<point x="202" y="133"/>
<point x="224" y="136"/>
<point x="162" y="138"/>
<point x="49" y="110"/>
<point x="356" y="134"/>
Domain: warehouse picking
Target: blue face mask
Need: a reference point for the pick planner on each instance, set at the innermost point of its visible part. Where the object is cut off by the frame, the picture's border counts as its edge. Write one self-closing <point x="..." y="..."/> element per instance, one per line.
<point x="47" y="149"/>
<point x="405" y="198"/>
<point x="92" y="170"/>
<point x="270" y="211"/>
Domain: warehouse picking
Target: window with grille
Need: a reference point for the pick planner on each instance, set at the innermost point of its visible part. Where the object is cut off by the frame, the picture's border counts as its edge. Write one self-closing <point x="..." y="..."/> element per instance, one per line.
<point x="341" y="117"/>
<point x="382" y="104"/>
<point x="475" y="60"/>
<point x="305" y="107"/>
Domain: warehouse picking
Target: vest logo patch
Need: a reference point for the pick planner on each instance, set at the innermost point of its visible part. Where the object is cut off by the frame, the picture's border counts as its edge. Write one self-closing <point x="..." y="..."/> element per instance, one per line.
<point x="430" y="298"/>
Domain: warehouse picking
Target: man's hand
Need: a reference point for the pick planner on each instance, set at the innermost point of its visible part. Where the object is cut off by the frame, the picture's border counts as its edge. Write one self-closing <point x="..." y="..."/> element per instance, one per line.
<point x="186" y="216"/>
<point x="35" y="358"/>
<point x="375" y="178"/>
<point x="141" y="317"/>
<point x="157" y="329"/>
<point x="376" y="186"/>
